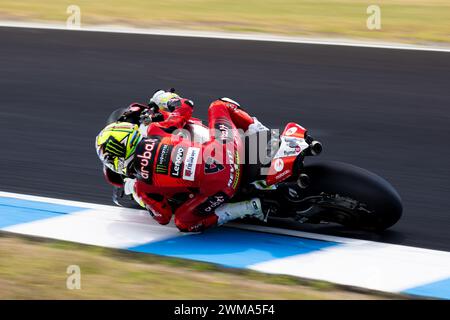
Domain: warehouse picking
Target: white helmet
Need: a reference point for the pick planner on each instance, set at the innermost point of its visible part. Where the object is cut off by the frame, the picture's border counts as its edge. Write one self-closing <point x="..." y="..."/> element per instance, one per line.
<point x="161" y="99"/>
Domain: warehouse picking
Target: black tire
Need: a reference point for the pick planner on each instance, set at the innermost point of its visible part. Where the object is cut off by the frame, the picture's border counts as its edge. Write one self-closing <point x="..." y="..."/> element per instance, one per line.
<point x="382" y="206"/>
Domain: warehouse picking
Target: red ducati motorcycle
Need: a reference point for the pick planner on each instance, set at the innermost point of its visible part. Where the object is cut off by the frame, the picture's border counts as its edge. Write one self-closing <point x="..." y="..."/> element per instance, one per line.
<point x="325" y="192"/>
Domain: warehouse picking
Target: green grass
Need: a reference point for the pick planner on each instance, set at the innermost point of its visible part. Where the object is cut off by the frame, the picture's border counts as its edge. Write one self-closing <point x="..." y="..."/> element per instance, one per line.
<point x="34" y="268"/>
<point x="411" y="21"/>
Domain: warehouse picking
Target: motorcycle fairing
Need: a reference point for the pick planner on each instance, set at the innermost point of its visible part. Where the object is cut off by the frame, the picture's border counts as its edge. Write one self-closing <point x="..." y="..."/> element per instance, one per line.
<point x="292" y="143"/>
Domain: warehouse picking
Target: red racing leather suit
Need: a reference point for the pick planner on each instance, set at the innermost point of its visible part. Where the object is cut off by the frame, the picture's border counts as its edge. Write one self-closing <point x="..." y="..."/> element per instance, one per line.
<point x="209" y="174"/>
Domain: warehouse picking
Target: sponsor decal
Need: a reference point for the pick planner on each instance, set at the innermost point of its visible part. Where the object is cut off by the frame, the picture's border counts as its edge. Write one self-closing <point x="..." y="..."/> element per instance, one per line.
<point x="224" y="128"/>
<point x="291" y="131"/>
<point x="289" y="147"/>
<point x="213" y="202"/>
<point x="278" y="165"/>
<point x="114" y="147"/>
<point x="232" y="167"/>
<point x="177" y="163"/>
<point x="235" y="171"/>
<point x="291" y="142"/>
<point x="211" y="166"/>
<point x="281" y="175"/>
<point x="145" y="157"/>
<point x="290" y="152"/>
<point x="190" y="163"/>
<point x="238" y="170"/>
<point x="163" y="159"/>
<point x="293" y="151"/>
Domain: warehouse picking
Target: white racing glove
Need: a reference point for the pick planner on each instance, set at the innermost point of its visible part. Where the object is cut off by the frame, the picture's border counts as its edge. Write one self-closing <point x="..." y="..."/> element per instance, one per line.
<point x="128" y="186"/>
<point x="143" y="130"/>
<point x="128" y="189"/>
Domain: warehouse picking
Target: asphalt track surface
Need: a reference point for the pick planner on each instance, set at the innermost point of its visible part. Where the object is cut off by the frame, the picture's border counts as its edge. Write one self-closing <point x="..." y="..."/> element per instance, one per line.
<point x="382" y="109"/>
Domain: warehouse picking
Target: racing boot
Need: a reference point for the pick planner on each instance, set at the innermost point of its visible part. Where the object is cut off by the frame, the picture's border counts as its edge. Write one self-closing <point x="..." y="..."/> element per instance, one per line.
<point x="239" y="210"/>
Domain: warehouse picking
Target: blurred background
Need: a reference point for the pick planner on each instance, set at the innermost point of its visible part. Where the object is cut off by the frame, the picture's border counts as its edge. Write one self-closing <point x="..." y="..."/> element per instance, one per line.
<point x="412" y="21"/>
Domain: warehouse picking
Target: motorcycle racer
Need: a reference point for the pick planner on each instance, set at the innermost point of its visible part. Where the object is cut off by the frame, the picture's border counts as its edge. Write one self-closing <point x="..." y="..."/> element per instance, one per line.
<point x="160" y="165"/>
<point x="136" y="113"/>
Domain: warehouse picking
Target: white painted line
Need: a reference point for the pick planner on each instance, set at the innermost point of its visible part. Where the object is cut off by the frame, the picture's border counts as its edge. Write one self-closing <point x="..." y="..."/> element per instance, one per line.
<point x="294" y="233"/>
<point x="228" y="36"/>
<point x="360" y="263"/>
<point x="324" y="237"/>
<point x="372" y="265"/>
<point x="135" y="213"/>
<point x="123" y="228"/>
<point x="58" y="201"/>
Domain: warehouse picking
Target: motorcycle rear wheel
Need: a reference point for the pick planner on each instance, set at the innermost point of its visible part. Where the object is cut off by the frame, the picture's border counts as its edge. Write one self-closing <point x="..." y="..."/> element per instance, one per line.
<point x="353" y="197"/>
